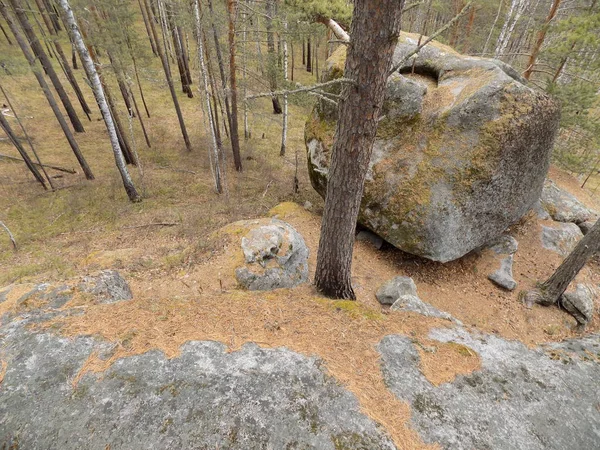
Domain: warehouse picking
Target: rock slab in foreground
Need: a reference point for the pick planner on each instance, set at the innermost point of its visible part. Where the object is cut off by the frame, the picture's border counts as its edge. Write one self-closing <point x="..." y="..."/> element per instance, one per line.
<point x="520" y="399"/>
<point x="562" y="205"/>
<point x="461" y="153"/>
<point x="206" y="398"/>
<point x="561" y="237"/>
<point x="275" y="256"/>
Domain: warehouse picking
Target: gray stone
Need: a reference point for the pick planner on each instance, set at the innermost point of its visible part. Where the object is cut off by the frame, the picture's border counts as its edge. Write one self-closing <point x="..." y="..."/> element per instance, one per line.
<point x="520" y="399"/>
<point x="108" y="287"/>
<point x="412" y="303"/>
<point x="461" y="152"/>
<point x="540" y="212"/>
<point x="393" y="289"/>
<point x="276" y="256"/>
<point x="504" y="245"/>
<point x="586" y="226"/>
<point x="563" y="206"/>
<point x="371" y="238"/>
<point x="503" y="277"/>
<point x="580" y="302"/>
<point x="561" y="238"/>
<point x="205" y="398"/>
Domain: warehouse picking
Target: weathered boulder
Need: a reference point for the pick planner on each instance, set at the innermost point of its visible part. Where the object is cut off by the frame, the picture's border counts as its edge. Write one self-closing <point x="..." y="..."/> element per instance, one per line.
<point x="391" y="290"/>
<point x="503" y="249"/>
<point x="563" y="206"/>
<point x="461" y="153"/>
<point x="579" y="302"/>
<point x="561" y="239"/>
<point x="275" y="256"/>
<point x="108" y="287"/>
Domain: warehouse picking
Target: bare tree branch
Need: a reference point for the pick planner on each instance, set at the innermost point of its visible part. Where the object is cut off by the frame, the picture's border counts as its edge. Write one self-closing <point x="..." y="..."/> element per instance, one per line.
<point x="314" y="87"/>
<point x="10" y="235"/>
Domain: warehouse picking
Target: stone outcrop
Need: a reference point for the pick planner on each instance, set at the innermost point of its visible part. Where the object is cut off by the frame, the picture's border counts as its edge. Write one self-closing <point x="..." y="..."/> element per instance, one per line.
<point x="503" y="249"/>
<point x="563" y="206"/>
<point x="275" y="256"/>
<point x="461" y="153"/>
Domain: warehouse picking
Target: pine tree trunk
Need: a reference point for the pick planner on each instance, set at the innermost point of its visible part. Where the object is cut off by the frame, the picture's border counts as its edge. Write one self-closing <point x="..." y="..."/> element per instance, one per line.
<point x="117" y="123"/>
<point x="137" y="77"/>
<point x="308" y="55"/>
<point x="376" y="23"/>
<point x="167" y="70"/>
<point x="303" y="51"/>
<point x="272" y="59"/>
<point x="46" y="89"/>
<point x="284" y="127"/>
<point x="38" y="50"/>
<point x="5" y="35"/>
<point x="552" y="289"/>
<point x="15" y="141"/>
<point x="540" y="39"/>
<point x="214" y="155"/>
<point x="245" y="73"/>
<point x="148" y="32"/>
<point x="221" y="65"/>
<point x="92" y="75"/>
<point x="233" y="132"/>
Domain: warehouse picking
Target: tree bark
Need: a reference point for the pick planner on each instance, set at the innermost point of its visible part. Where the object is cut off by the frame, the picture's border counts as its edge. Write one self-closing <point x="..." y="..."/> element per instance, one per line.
<point x="284" y="127"/>
<point x="38" y="50"/>
<point x="552" y="289"/>
<point x="5" y="35"/>
<point x="374" y="34"/>
<point x="167" y="70"/>
<point x="92" y="75"/>
<point x="233" y="132"/>
<point x="214" y="155"/>
<point x="148" y="32"/>
<point x="540" y="39"/>
<point x="46" y="89"/>
<point x="270" y="8"/>
<point x="308" y="55"/>
<point x="15" y="141"/>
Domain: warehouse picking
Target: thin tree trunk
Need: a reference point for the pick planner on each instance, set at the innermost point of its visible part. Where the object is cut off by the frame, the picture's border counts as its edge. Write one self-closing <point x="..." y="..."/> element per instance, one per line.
<point x="137" y="77"/>
<point x="117" y="123"/>
<point x="308" y="55"/>
<point x="92" y="75"/>
<point x="179" y="54"/>
<point x="54" y="16"/>
<point x="46" y="89"/>
<point x="38" y="50"/>
<point x="303" y="51"/>
<point x="5" y="35"/>
<point x="487" y="42"/>
<point x="148" y="32"/>
<point x="214" y="154"/>
<point x="540" y="39"/>
<point x="271" y="60"/>
<point x="74" y="58"/>
<point x="63" y="58"/>
<point x="293" y="63"/>
<point x="552" y="289"/>
<point x="368" y="62"/>
<point x="284" y="128"/>
<point x="15" y="141"/>
<point x="139" y="116"/>
<point x="167" y="70"/>
<point x="221" y="66"/>
<point x="233" y="132"/>
<point x="29" y="141"/>
<point x="244" y="73"/>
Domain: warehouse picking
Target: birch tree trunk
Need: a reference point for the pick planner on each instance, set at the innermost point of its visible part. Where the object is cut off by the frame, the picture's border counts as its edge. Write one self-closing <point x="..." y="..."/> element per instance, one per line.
<point x="213" y="154"/>
<point x="516" y="10"/>
<point x="487" y="41"/>
<point x="374" y="34"/>
<point x="284" y="128"/>
<point x="92" y="75"/>
<point x="35" y="68"/>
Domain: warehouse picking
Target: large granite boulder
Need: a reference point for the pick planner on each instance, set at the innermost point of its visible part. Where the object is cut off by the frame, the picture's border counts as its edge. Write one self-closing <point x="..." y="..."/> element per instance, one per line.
<point x="461" y="153"/>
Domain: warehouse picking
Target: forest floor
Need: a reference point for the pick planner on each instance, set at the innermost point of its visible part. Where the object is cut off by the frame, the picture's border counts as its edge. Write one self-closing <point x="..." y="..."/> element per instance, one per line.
<point x="180" y="267"/>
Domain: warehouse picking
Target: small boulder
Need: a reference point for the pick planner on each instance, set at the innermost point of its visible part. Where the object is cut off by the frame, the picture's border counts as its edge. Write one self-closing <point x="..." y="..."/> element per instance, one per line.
<point x="275" y="256"/>
<point x="107" y="287"/>
<point x="395" y="288"/>
<point x="562" y="239"/>
<point x="504" y="245"/>
<point x="412" y="303"/>
<point x="563" y="206"/>
<point x="503" y="277"/>
<point x="580" y="303"/>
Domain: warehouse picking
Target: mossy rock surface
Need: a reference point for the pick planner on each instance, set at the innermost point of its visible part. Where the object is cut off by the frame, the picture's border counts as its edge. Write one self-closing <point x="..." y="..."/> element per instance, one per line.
<point x="462" y="150"/>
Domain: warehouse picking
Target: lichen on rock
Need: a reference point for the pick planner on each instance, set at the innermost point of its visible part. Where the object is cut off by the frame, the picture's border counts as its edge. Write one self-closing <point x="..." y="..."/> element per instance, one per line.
<point x="461" y="153"/>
